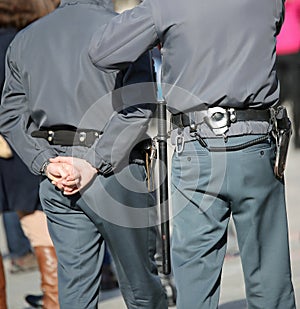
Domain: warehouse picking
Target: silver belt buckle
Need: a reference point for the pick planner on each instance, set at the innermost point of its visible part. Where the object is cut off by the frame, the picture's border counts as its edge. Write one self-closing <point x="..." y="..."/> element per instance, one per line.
<point x="219" y="119"/>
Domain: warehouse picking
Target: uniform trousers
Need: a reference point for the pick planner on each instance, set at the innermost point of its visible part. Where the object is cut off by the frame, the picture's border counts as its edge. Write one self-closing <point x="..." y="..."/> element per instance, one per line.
<point x="207" y="187"/>
<point x="78" y="226"/>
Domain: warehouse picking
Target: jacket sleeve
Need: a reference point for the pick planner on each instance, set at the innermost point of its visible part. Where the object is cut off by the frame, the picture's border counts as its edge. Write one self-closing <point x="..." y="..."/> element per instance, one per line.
<point x="15" y="120"/>
<point x="127" y="36"/>
<point x="129" y="123"/>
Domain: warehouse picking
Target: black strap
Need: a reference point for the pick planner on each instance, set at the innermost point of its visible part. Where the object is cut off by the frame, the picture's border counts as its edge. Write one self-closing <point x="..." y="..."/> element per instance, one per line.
<point x="253" y="115"/>
<point x="62" y="137"/>
<point x="183" y="120"/>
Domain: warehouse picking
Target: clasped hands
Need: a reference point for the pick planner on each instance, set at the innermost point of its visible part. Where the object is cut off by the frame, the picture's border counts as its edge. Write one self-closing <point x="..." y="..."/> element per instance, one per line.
<point x="70" y="174"/>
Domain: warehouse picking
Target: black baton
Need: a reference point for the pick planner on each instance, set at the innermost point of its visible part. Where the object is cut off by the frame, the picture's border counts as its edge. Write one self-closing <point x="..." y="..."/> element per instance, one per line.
<point x="163" y="180"/>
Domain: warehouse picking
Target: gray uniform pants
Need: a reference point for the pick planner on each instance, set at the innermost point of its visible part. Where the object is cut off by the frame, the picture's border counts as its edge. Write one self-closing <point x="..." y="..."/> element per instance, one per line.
<point x="206" y="188"/>
<point x="79" y="224"/>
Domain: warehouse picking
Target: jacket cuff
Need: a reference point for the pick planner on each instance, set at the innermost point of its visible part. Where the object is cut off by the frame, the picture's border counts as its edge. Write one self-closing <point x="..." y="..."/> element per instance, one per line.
<point x="40" y="159"/>
<point x="96" y="160"/>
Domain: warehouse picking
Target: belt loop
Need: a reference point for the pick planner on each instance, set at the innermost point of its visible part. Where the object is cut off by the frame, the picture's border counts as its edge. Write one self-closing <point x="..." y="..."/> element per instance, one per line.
<point x="193" y="125"/>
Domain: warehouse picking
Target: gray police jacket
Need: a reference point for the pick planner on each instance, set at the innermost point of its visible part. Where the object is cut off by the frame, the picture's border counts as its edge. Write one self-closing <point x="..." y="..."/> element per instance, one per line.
<point x="215" y="53"/>
<point x="51" y="81"/>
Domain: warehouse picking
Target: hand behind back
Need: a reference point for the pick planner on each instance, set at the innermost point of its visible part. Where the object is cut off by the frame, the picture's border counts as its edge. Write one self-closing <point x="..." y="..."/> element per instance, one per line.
<point x="70" y="174"/>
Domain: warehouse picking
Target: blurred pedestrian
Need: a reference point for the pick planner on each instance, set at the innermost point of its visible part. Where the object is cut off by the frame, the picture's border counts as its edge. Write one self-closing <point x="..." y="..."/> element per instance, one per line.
<point x="20" y="190"/>
<point x="19" y="187"/>
<point x="50" y="87"/>
<point x="3" y="304"/>
<point x="19" y="249"/>
<point x="4" y="152"/>
<point x="219" y="81"/>
<point x="288" y="62"/>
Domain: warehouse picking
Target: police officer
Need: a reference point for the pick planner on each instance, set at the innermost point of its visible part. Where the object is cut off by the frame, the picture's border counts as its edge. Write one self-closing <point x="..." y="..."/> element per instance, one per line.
<point x="219" y="83"/>
<point x="53" y="106"/>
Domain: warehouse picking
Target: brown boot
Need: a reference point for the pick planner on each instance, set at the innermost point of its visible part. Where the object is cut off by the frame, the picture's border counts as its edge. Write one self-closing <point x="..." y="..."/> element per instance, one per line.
<point x="2" y="286"/>
<point x="47" y="261"/>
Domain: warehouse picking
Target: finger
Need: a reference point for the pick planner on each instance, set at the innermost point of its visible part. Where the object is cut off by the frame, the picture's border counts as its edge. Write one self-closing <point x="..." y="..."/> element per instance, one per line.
<point x="72" y="192"/>
<point x="71" y="183"/>
<point x="55" y="160"/>
<point x="73" y="172"/>
<point x="61" y="159"/>
<point x="58" y="185"/>
<point x="55" y="170"/>
<point x="63" y="172"/>
<point x="72" y="179"/>
<point x="53" y="177"/>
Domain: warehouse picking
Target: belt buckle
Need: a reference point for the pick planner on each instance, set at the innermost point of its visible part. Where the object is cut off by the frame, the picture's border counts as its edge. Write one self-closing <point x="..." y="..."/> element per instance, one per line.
<point x="218" y="119"/>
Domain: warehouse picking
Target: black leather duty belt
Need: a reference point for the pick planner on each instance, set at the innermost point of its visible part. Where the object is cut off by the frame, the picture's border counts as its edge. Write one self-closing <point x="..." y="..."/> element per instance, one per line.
<point x="234" y="115"/>
<point x="68" y="137"/>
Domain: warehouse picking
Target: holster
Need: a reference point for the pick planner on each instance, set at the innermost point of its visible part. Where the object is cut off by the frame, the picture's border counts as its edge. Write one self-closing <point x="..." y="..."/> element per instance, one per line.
<point x="282" y="133"/>
<point x="144" y="153"/>
<point x="140" y="151"/>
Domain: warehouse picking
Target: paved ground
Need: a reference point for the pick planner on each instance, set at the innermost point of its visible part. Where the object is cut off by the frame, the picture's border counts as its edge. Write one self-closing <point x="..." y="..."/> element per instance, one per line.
<point x="232" y="295"/>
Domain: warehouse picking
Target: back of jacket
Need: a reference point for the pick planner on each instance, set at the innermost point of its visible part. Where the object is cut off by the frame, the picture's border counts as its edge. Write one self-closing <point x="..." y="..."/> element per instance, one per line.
<point x="215" y="52"/>
<point x="51" y="81"/>
<point x="51" y="57"/>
